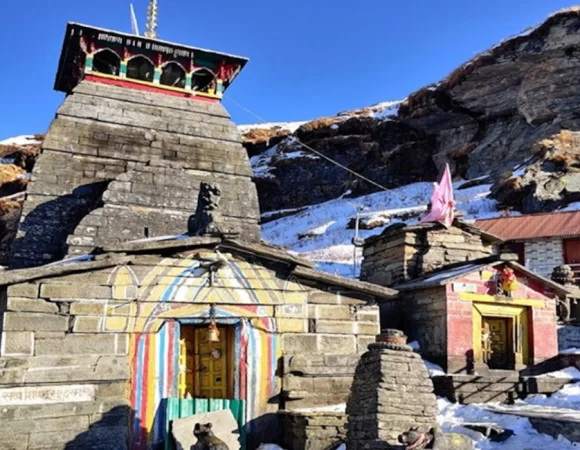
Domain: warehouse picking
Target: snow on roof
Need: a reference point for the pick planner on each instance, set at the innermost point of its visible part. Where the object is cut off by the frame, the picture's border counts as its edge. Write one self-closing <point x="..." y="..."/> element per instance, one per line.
<point x="442" y="276"/>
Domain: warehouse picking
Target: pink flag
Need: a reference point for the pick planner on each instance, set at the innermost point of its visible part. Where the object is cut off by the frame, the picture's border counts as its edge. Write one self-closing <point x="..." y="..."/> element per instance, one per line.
<point x="442" y="204"/>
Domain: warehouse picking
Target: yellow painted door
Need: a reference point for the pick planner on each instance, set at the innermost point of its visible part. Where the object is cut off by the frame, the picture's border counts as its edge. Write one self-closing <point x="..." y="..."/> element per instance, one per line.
<point x="499" y="345"/>
<point x="206" y="368"/>
<point x="213" y="365"/>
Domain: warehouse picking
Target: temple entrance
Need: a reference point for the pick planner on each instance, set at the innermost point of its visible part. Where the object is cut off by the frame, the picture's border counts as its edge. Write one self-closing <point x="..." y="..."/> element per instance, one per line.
<point x="500" y="337"/>
<point x="498" y="342"/>
<point x="206" y="368"/>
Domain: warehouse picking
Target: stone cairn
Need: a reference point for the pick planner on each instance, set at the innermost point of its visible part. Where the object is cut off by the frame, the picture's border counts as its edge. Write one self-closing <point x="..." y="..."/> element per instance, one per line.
<point x="391" y="393"/>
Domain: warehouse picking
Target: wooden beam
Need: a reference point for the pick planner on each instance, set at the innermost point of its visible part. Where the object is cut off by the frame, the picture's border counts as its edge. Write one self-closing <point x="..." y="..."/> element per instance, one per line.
<point x="266" y="251"/>
<point x="24" y="275"/>
<point x="151" y="246"/>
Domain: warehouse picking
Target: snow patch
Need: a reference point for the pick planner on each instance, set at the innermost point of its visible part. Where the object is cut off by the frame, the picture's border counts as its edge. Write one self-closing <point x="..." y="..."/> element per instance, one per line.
<point x="332" y="250"/>
<point x="263" y="164"/>
<point x="21" y="140"/>
<point x="339" y="408"/>
<point x="269" y="447"/>
<point x="453" y="415"/>
<point x="386" y="110"/>
<point x="567" y="397"/>
<point x="289" y="126"/>
<point x="570" y="351"/>
<point x="434" y="370"/>
<point x="569" y="372"/>
<point x="415" y="346"/>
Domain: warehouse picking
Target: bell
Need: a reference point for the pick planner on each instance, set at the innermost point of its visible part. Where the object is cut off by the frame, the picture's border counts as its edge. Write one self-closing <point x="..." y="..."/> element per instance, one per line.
<point x="213" y="334"/>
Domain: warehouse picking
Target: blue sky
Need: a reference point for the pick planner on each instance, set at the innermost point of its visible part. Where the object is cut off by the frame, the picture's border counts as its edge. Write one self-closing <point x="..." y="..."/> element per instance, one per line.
<point x="308" y="58"/>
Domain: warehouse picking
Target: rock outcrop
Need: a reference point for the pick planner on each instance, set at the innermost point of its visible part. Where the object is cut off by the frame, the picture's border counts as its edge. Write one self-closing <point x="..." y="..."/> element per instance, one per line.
<point x="486" y="118"/>
<point x="17" y="160"/>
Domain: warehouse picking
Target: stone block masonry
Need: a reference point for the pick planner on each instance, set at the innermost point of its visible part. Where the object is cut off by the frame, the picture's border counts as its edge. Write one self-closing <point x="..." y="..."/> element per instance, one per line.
<point x="313" y="430"/>
<point x="391" y="393"/>
<point x="543" y="255"/>
<point x="401" y="253"/>
<point x="119" y="165"/>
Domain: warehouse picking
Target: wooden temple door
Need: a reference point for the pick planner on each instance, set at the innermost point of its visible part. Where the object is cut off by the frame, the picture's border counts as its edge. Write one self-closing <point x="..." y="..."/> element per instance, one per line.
<point x="208" y="367"/>
<point x="500" y="345"/>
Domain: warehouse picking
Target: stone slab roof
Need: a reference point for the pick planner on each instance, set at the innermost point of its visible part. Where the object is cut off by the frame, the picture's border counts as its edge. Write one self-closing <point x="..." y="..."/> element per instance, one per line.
<point x="458" y="223"/>
<point x="128" y="252"/>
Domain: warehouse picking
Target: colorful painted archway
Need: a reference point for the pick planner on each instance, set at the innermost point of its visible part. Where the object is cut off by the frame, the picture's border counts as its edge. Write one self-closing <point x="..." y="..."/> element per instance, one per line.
<point x="180" y="291"/>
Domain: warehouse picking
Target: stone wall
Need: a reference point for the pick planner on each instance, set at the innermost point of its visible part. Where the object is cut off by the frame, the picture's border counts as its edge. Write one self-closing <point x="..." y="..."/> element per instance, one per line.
<point x="313" y="430"/>
<point x="401" y="253"/>
<point x="543" y="255"/>
<point x="422" y="315"/>
<point x="119" y="164"/>
<point x="319" y="365"/>
<point x="568" y="336"/>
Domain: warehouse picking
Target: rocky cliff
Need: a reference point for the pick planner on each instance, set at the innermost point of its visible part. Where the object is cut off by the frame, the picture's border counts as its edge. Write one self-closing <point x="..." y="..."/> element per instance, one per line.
<point x="508" y="116"/>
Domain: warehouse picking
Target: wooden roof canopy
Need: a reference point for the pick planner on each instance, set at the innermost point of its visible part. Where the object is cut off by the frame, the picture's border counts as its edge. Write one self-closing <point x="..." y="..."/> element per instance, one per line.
<point x="83" y="42"/>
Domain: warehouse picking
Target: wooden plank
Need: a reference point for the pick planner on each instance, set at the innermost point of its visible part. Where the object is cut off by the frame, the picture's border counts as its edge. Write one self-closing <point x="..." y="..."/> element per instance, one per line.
<point x="36" y="273"/>
<point x="266" y="251"/>
<point x="151" y="246"/>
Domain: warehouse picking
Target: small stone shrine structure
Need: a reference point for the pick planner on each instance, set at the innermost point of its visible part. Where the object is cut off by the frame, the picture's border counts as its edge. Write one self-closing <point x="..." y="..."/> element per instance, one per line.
<point x="391" y="393"/>
<point x="472" y="309"/>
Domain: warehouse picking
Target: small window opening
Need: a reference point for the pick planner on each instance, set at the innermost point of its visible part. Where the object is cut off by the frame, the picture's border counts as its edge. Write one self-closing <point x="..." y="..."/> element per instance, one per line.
<point x="202" y="80"/>
<point x="107" y="62"/>
<point x="173" y="75"/>
<point x="146" y="232"/>
<point x="140" y="68"/>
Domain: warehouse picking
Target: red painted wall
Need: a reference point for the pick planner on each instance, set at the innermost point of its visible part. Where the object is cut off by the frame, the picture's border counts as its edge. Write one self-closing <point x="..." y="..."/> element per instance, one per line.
<point x="543" y="326"/>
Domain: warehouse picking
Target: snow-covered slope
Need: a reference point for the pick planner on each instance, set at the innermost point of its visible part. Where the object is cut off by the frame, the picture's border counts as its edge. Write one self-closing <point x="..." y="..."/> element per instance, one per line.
<point x="321" y="233"/>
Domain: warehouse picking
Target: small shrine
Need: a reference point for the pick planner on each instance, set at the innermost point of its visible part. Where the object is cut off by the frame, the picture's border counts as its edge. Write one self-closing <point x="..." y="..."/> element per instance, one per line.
<point x="472" y="309"/>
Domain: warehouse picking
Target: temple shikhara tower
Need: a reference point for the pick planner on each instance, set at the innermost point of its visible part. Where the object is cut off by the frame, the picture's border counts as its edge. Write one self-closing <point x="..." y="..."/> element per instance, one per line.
<point x="139" y="292"/>
<point x="142" y="125"/>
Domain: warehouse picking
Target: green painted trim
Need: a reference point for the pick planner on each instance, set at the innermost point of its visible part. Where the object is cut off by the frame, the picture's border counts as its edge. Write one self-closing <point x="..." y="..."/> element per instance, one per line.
<point x="178" y="408"/>
<point x="89" y="63"/>
<point x="219" y="87"/>
<point x="204" y="63"/>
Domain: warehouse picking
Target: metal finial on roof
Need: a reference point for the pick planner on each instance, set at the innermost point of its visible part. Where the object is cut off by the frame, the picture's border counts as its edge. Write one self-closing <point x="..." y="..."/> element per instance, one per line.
<point x="151" y="32"/>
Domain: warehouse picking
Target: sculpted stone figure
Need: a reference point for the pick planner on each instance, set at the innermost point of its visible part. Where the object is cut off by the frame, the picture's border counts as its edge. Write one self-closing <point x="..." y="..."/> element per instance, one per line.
<point x="434" y="439"/>
<point x="206" y="439"/>
<point x="208" y="219"/>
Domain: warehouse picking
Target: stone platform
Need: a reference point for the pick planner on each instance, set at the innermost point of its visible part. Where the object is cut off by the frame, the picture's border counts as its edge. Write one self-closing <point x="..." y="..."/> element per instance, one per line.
<point x="502" y="388"/>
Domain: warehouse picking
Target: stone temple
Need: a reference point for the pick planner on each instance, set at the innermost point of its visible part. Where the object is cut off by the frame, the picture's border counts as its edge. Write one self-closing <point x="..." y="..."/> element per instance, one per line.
<point x="139" y="291"/>
<point x="140" y="129"/>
